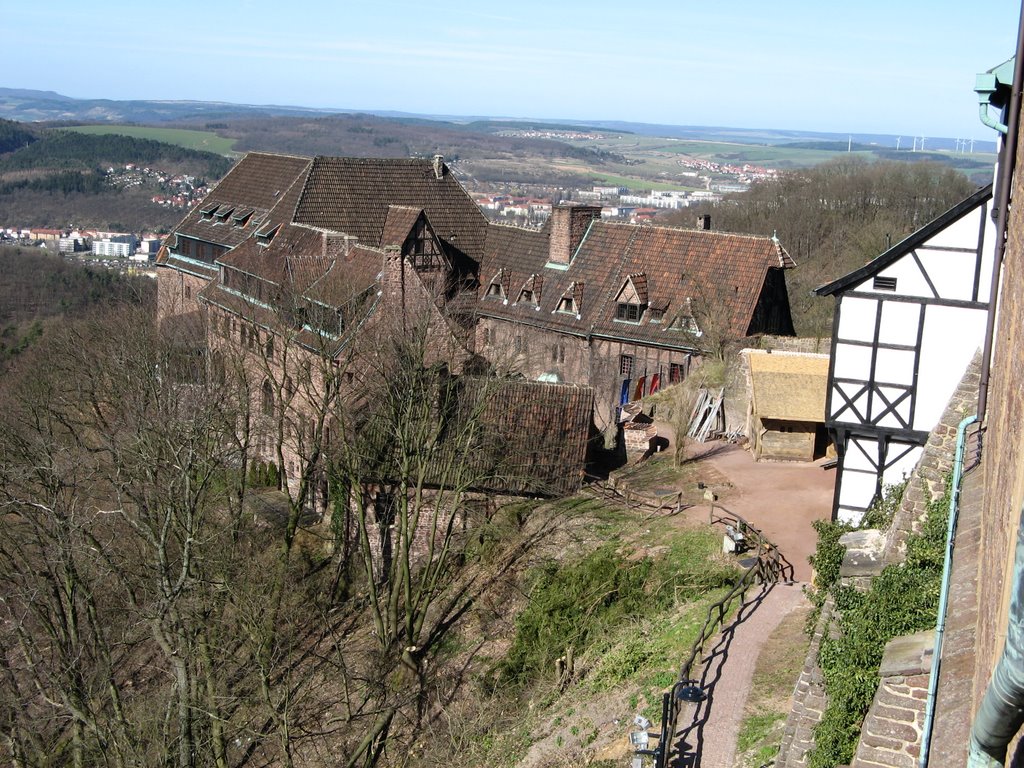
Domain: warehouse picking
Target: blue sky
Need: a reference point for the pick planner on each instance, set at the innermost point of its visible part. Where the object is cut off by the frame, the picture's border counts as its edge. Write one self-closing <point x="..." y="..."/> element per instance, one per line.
<point x="901" y="67"/>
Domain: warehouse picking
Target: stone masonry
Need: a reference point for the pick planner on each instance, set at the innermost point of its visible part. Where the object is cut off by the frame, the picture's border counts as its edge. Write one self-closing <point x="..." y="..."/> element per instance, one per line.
<point x="809" y="701"/>
<point x="891" y="734"/>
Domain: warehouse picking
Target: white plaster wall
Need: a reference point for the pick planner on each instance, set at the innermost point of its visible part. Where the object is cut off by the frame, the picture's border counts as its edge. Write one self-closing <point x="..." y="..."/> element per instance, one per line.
<point x="951" y="337"/>
<point x="900" y="321"/>
<point x="857" y="319"/>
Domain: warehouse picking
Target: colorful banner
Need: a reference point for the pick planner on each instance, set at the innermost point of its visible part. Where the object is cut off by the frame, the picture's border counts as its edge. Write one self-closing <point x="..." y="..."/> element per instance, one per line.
<point x="640" y="383"/>
<point x="655" y="383"/>
<point x="624" y="395"/>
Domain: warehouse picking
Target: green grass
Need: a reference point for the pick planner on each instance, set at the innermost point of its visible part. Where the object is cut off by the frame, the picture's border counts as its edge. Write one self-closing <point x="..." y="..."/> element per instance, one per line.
<point x="609" y="180"/>
<point x="755" y="737"/>
<point x="206" y="141"/>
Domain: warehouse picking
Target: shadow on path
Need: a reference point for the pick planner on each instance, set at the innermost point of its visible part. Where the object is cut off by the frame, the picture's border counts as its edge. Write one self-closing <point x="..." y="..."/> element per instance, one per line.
<point x="689" y="740"/>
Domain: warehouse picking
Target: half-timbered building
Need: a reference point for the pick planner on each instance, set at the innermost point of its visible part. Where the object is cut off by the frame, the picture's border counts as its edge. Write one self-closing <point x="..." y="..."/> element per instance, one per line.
<point x="906" y="326"/>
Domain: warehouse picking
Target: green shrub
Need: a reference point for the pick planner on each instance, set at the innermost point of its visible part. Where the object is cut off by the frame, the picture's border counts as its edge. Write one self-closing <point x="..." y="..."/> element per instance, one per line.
<point x="571" y="606"/>
<point x="901" y="599"/>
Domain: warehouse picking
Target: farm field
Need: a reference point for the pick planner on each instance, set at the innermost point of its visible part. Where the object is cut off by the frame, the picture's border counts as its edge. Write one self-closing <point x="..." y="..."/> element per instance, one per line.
<point x="206" y="141"/>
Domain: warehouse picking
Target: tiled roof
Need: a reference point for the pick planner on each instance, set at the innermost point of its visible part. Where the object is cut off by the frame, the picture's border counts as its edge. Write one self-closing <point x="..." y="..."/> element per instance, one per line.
<point x="256" y="183"/>
<point x="399" y="222"/>
<point x="672" y="265"/>
<point x="353" y="195"/>
<point x="293" y="257"/>
<point x="530" y="438"/>
<point x="348" y="277"/>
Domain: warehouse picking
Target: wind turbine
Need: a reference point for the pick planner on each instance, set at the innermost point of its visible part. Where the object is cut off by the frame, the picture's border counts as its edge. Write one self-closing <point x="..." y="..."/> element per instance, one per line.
<point x="898" y="140"/>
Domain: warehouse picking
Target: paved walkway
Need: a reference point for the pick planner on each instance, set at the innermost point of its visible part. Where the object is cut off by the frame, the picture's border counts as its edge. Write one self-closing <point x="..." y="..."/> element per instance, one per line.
<point x="707" y="732"/>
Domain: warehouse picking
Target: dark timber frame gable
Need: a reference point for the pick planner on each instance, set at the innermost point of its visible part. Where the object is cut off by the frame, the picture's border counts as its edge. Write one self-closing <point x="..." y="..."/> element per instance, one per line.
<point x="904" y="327"/>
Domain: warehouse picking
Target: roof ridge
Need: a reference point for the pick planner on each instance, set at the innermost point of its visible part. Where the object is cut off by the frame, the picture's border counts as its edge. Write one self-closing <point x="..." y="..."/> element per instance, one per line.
<point x="702" y="232"/>
<point x="265" y="153"/>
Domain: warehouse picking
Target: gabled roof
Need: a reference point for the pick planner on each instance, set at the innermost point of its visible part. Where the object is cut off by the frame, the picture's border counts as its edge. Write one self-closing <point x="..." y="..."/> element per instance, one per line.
<point x="398" y="224"/>
<point x="255" y="183"/>
<point x="675" y="264"/>
<point x="905" y="246"/>
<point x="353" y="195"/>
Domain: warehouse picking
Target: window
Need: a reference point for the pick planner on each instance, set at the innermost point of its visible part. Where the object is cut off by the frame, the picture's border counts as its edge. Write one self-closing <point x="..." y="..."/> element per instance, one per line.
<point x="496" y="291"/>
<point x="676" y="373"/>
<point x="268" y="398"/>
<point x="657" y="315"/>
<point x="884" y="283"/>
<point x="527" y="297"/>
<point x="565" y="305"/>
<point x="268" y="348"/>
<point x="628" y="312"/>
<point x="519" y="344"/>
<point x="558" y="353"/>
<point x="626" y="365"/>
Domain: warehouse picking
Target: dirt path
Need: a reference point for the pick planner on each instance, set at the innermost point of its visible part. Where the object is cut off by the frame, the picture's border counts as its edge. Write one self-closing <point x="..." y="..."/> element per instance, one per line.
<point x="782" y="499"/>
<point x="707" y="732"/>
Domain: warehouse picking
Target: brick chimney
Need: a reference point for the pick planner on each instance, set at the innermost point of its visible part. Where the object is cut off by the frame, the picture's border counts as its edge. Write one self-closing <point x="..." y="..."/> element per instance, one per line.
<point x="393" y="273"/>
<point x="569" y="224"/>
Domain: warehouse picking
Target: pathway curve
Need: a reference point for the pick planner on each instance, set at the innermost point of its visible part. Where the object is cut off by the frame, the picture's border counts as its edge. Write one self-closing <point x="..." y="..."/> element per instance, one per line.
<point x="707" y="732"/>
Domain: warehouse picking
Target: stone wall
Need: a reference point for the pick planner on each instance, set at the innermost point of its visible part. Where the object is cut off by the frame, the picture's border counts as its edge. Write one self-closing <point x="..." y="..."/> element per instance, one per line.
<point x="809" y="701"/>
<point x="1003" y="446"/>
<point x="891" y="734"/>
<point x="177" y="294"/>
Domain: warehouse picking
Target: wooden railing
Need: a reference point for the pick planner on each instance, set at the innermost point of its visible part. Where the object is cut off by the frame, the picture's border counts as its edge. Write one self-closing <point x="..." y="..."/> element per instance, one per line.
<point x="766" y="566"/>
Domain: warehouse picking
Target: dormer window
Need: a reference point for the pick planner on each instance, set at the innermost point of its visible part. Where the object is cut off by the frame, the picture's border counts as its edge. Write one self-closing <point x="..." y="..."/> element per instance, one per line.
<point x="530" y="292"/>
<point x="657" y="315"/>
<point x="205" y="214"/>
<point x="527" y="297"/>
<point x="628" y="312"/>
<point x="266" y="235"/>
<point x="241" y="218"/>
<point x="566" y="305"/>
<point x="222" y="214"/>
<point x="631" y="300"/>
<point x="498" y="287"/>
<point x="685" y="323"/>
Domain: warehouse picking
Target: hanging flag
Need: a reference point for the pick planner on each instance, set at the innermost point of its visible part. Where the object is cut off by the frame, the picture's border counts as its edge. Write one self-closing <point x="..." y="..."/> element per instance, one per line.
<point x="655" y="383"/>
<point x="639" y="394"/>
<point x="624" y="395"/>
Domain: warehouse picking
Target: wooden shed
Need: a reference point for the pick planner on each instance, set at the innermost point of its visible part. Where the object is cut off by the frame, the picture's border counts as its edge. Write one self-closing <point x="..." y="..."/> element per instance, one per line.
<point x="786" y="416"/>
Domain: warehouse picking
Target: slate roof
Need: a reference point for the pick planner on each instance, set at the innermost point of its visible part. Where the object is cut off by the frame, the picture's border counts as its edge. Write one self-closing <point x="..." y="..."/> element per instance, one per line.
<point x="671" y="265"/>
<point x="787" y="385"/>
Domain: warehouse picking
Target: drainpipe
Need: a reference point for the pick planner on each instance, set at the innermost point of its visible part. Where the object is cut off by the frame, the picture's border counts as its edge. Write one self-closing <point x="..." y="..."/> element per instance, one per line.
<point x="940" y="623"/>
<point x="1004" y="181"/>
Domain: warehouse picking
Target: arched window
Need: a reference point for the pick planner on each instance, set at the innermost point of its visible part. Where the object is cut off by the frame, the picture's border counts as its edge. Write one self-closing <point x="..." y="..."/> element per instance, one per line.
<point x="268" y="398"/>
